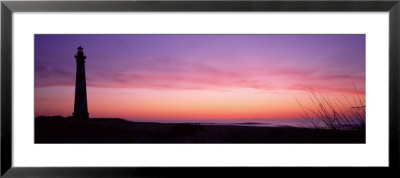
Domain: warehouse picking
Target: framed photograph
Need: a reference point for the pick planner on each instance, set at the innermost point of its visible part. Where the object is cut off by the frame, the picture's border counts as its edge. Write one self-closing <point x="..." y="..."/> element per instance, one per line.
<point x="157" y="88"/>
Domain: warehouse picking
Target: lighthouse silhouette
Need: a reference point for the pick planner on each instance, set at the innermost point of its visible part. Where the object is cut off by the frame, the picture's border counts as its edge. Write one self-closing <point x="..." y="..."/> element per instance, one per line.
<point x="80" y="106"/>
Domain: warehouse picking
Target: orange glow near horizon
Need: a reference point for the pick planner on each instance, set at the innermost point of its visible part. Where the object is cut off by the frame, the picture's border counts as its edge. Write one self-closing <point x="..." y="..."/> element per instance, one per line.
<point x="152" y="104"/>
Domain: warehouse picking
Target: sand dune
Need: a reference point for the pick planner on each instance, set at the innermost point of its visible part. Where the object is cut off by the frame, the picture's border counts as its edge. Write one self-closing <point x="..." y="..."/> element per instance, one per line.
<point x="67" y="130"/>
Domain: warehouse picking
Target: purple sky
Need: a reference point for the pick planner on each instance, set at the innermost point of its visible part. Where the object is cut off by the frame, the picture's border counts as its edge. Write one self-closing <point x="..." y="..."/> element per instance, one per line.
<point x="202" y="62"/>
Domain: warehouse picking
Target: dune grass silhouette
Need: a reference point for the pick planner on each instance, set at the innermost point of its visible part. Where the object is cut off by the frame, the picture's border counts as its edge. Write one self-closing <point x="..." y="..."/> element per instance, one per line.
<point x="334" y="114"/>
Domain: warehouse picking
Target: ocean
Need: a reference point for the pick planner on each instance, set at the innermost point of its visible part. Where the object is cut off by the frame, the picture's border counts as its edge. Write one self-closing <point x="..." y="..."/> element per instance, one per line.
<point x="300" y="123"/>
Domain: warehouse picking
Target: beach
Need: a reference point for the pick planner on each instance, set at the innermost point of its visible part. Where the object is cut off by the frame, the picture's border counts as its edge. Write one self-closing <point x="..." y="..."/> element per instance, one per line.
<point x="114" y="130"/>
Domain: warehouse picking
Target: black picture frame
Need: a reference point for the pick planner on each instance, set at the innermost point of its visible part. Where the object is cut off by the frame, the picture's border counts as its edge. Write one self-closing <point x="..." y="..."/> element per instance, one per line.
<point x="8" y="7"/>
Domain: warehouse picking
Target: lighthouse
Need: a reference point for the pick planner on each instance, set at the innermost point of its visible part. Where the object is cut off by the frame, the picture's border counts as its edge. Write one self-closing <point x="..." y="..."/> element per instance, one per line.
<point x="80" y="106"/>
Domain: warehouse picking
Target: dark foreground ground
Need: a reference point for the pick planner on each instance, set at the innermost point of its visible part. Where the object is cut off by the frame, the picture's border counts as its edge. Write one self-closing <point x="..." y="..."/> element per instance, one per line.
<point x="68" y="130"/>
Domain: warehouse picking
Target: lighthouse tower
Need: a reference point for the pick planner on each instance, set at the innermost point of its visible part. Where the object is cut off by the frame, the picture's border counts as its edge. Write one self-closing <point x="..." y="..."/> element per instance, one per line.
<point x="80" y="106"/>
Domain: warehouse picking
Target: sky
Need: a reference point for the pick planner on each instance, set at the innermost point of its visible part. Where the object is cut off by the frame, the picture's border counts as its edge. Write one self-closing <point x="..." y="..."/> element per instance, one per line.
<point x="197" y="77"/>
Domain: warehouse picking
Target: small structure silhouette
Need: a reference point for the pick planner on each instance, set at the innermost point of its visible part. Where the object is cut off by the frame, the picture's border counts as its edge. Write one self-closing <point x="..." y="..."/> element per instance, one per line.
<point x="80" y="106"/>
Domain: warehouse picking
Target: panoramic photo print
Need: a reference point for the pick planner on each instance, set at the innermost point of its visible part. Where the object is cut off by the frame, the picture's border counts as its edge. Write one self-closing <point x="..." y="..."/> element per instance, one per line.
<point x="199" y="88"/>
